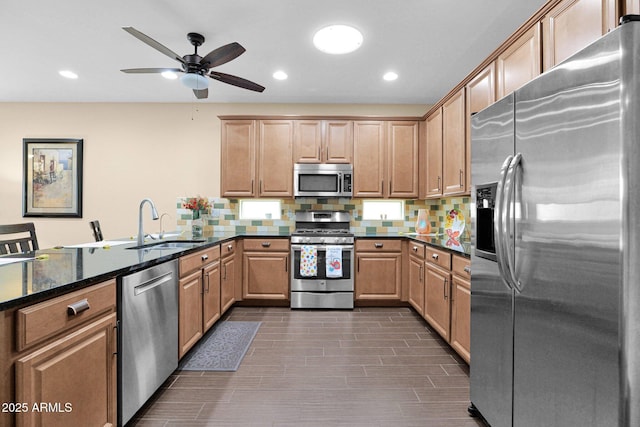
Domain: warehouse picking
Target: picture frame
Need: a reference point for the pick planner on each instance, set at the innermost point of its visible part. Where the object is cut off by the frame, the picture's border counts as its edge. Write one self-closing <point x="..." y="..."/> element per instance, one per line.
<point x="52" y="177"/>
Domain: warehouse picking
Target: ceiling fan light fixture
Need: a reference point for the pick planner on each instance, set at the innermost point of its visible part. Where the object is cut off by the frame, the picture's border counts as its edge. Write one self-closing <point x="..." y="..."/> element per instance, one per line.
<point x="169" y="75"/>
<point x="390" y="76"/>
<point x="337" y="39"/>
<point x="280" y="75"/>
<point x="194" y="81"/>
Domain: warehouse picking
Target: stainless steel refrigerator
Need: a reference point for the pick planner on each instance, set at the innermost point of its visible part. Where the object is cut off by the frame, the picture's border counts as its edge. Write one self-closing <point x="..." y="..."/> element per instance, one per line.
<point x="555" y="285"/>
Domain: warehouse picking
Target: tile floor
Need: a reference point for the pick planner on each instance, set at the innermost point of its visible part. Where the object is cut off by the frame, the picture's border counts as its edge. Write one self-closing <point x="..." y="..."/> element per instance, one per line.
<point x="371" y="367"/>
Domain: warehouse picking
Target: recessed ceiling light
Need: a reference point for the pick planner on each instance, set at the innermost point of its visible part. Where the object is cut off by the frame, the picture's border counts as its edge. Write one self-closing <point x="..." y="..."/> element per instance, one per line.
<point x="169" y="75"/>
<point x="68" y="74"/>
<point x="280" y="75"/>
<point x="390" y="76"/>
<point x="337" y="39"/>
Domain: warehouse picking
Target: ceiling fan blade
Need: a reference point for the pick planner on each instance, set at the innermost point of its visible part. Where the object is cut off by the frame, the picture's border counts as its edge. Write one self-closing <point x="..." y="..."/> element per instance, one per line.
<point x="150" y="70"/>
<point x="201" y="93"/>
<point x="154" y="44"/>
<point x="222" y="55"/>
<point x="235" y="81"/>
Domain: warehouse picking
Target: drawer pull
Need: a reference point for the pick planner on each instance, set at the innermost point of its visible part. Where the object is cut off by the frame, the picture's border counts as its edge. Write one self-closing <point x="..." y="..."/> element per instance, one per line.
<point x="378" y="245"/>
<point x="266" y="244"/>
<point x="229" y="248"/>
<point x="78" y="307"/>
<point x="415" y="249"/>
<point x="467" y="269"/>
<point x="205" y="257"/>
<point x="434" y="256"/>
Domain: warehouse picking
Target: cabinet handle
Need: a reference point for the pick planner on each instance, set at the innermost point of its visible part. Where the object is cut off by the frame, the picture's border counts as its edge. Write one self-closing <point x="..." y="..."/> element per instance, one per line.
<point x="208" y="282"/>
<point x="266" y="244"/>
<point x="421" y="273"/>
<point x="467" y="269"/>
<point x="435" y="256"/>
<point x="229" y="248"/>
<point x="358" y="266"/>
<point x="390" y="181"/>
<point x="382" y="187"/>
<point x="205" y="257"/>
<point x="438" y="182"/>
<point x="415" y="248"/>
<point x="319" y="154"/>
<point x="378" y="245"/>
<point x="115" y="338"/>
<point x="444" y="289"/>
<point x="251" y="186"/>
<point x="286" y="264"/>
<point x="260" y="190"/>
<point x="78" y="307"/>
<point x="225" y="272"/>
<point x="461" y="175"/>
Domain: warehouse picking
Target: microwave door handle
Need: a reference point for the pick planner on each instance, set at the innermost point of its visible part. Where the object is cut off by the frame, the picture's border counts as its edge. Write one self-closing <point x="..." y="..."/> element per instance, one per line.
<point x="340" y="185"/>
<point x="498" y="220"/>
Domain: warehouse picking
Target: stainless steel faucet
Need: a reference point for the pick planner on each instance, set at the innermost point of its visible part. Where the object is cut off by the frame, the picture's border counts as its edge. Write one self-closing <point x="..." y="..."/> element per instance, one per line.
<point x="154" y="215"/>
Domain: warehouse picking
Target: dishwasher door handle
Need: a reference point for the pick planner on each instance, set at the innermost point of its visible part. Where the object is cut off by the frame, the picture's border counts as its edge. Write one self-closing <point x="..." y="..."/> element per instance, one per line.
<point x="150" y="284"/>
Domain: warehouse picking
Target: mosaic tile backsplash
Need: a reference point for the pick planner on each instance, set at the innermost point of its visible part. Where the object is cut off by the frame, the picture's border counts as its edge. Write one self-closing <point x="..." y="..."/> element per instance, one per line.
<point x="224" y="213"/>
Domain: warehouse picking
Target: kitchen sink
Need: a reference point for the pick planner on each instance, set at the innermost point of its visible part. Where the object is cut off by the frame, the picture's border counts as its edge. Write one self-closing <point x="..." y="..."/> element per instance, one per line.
<point x="169" y="244"/>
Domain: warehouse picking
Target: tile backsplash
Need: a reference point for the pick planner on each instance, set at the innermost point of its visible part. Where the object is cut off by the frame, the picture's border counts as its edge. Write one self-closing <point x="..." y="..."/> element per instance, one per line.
<point x="224" y="215"/>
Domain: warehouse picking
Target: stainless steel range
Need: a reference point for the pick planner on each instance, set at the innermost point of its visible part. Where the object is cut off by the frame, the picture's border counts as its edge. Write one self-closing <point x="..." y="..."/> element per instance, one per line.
<point x="322" y="266"/>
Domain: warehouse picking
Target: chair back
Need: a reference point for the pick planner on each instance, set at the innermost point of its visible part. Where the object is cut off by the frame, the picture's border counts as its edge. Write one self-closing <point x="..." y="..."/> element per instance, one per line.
<point x="13" y="238"/>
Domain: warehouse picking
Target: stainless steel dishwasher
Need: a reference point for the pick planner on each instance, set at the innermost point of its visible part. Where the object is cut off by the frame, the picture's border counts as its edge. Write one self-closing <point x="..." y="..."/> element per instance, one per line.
<point x="148" y="336"/>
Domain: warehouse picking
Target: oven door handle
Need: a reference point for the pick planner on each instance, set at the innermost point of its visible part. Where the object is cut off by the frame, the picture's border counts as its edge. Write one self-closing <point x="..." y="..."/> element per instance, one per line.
<point x="322" y="247"/>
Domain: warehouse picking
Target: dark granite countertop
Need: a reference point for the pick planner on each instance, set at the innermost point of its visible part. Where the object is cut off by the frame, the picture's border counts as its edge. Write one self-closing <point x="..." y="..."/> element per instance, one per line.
<point x="55" y="271"/>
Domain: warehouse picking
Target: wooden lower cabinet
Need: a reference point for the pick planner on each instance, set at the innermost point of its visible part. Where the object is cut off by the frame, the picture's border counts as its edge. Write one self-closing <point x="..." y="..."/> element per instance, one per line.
<point x="437" y="310"/>
<point x="416" y="276"/>
<point x="199" y="296"/>
<point x="378" y="270"/>
<point x="461" y="307"/>
<point x="265" y="267"/>
<point x="74" y="378"/>
<point x="227" y="276"/>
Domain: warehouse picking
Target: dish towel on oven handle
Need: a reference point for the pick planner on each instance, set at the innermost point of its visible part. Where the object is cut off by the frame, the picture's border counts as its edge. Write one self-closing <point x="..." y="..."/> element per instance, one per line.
<point x="334" y="261"/>
<point x="308" y="261"/>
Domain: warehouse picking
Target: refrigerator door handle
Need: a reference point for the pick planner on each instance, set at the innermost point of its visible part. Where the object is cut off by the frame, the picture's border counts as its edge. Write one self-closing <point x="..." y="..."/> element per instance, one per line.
<point x="498" y="219"/>
<point x="508" y="194"/>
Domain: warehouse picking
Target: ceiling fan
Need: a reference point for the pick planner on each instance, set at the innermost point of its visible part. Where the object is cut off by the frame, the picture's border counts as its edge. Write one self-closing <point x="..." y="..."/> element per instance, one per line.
<point x="195" y="68"/>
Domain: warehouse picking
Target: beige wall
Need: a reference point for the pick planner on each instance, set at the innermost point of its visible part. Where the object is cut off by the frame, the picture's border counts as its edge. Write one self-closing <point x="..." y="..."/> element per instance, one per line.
<point x="133" y="151"/>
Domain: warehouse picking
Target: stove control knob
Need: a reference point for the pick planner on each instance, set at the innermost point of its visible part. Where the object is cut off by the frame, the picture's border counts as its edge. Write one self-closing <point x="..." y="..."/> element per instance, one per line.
<point x="344" y="240"/>
<point x="322" y="240"/>
<point x="307" y="239"/>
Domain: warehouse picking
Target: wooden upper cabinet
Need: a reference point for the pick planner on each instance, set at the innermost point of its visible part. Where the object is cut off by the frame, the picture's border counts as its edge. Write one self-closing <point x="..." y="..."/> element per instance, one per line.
<point x="323" y="141"/>
<point x="368" y="158"/>
<point x="632" y="7"/>
<point x="238" y="141"/>
<point x="480" y="93"/>
<point x="307" y="146"/>
<point x="520" y="62"/>
<point x="434" y="155"/>
<point x="574" y="24"/>
<point x="338" y="141"/>
<point x="453" y="146"/>
<point x="275" y="156"/>
<point x="403" y="159"/>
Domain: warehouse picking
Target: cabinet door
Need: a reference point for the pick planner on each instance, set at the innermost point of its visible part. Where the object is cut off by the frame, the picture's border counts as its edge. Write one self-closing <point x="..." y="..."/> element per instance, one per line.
<point x="338" y="141"/>
<point x="416" y="284"/>
<point x="632" y="7"/>
<point x="520" y="62"/>
<point x="378" y="276"/>
<point x="210" y="295"/>
<point x="275" y="158"/>
<point x="238" y="158"/>
<point x="572" y="25"/>
<point x="480" y="93"/>
<point x="190" y="315"/>
<point x="461" y="317"/>
<point x="368" y="159"/>
<point x="434" y="154"/>
<point x="228" y="283"/>
<point x="403" y="159"/>
<point x="437" y="310"/>
<point x="307" y="145"/>
<point x="265" y="275"/>
<point x="77" y="372"/>
<point x="453" y="146"/>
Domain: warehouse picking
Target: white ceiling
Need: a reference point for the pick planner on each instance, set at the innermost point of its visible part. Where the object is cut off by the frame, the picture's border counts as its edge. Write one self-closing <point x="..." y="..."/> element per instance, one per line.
<point x="431" y="44"/>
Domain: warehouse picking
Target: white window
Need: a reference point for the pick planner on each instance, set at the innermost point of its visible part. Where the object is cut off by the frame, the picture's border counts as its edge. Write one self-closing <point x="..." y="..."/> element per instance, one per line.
<point x="260" y="209"/>
<point x="383" y="210"/>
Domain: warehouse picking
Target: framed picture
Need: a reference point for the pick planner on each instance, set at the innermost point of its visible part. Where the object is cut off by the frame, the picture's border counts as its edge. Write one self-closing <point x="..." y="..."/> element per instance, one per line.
<point x="52" y="177"/>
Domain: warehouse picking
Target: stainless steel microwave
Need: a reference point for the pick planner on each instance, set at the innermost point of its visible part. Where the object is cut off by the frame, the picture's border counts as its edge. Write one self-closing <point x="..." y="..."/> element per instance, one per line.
<point x="322" y="180"/>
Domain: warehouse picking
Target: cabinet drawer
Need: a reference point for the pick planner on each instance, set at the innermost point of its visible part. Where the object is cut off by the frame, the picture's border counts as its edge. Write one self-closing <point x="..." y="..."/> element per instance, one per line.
<point x="438" y="257"/>
<point x="192" y="262"/>
<point x="43" y="320"/>
<point x="266" y="245"/>
<point x="416" y="250"/>
<point x="461" y="267"/>
<point x="378" y="245"/>
<point x="228" y="248"/>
